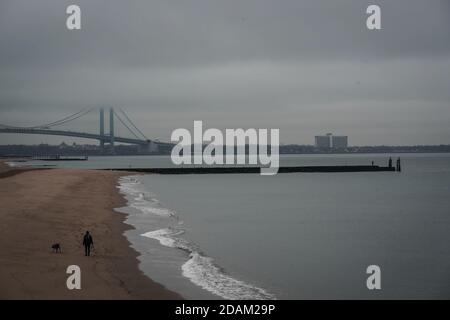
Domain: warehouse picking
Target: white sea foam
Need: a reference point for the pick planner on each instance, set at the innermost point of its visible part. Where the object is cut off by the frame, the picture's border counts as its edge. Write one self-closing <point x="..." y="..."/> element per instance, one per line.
<point x="199" y="269"/>
<point x="202" y="271"/>
<point x="166" y="237"/>
<point x="141" y="200"/>
<point x="12" y="164"/>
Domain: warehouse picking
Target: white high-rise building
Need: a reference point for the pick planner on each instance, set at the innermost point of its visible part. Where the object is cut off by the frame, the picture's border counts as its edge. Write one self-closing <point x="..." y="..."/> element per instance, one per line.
<point x="323" y="141"/>
<point x="329" y="141"/>
<point x="339" y="141"/>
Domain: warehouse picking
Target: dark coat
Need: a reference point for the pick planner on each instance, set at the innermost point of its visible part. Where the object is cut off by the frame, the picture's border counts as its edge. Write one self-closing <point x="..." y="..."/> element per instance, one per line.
<point x="87" y="240"/>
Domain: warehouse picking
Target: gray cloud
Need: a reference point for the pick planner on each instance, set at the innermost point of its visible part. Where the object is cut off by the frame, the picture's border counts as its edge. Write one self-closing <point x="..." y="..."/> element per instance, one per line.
<point x="305" y="67"/>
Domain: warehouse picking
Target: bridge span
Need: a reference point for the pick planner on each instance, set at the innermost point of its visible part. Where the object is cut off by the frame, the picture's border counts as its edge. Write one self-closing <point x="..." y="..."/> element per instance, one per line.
<point x="102" y="137"/>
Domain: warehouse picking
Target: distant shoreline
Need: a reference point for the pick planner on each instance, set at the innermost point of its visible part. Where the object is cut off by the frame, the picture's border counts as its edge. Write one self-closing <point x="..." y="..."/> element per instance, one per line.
<point x="11" y="151"/>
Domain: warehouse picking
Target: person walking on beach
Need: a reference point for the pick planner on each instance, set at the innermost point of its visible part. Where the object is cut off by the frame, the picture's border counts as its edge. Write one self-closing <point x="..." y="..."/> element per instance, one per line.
<point x="390" y="162"/>
<point x="398" y="165"/>
<point x="87" y="243"/>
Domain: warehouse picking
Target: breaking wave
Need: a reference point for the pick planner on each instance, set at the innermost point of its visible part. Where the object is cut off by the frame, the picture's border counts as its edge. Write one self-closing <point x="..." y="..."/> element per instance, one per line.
<point x="199" y="269"/>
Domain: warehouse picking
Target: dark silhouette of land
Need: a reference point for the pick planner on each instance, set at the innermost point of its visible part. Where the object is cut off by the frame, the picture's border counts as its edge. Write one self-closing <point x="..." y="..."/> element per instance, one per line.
<point x="95" y="150"/>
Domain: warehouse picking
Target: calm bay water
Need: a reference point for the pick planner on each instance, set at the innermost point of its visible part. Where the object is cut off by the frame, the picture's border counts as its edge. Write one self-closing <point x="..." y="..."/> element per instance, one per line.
<point x="293" y="236"/>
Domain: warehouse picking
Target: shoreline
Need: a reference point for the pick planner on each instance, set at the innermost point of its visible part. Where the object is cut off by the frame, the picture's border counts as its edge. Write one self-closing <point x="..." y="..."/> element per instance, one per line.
<point x="42" y="207"/>
<point x="203" y="276"/>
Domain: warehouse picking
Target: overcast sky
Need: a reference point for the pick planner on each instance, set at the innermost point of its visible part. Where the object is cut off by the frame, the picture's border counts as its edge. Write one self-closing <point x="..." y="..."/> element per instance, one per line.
<point x="305" y="67"/>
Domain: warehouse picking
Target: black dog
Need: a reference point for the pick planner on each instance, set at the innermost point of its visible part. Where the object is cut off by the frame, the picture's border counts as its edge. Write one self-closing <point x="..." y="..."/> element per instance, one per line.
<point x="56" y="247"/>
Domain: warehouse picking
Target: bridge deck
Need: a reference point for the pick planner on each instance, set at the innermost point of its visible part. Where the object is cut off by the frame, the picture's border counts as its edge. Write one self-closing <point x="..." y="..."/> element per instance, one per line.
<point x="104" y="138"/>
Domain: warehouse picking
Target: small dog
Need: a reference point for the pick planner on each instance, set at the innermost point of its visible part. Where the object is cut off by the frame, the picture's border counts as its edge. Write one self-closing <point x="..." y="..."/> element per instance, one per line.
<point x="56" y="247"/>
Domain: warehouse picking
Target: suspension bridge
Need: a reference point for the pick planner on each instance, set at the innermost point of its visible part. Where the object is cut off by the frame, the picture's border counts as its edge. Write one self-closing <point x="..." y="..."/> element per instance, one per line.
<point x="106" y="139"/>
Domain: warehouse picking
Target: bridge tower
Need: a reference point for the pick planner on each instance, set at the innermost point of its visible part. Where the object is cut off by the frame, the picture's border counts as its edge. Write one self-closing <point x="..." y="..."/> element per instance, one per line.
<point x="111" y="129"/>
<point x="102" y="130"/>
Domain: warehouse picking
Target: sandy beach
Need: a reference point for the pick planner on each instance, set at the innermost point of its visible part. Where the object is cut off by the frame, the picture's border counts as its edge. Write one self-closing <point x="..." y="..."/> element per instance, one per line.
<point x="42" y="207"/>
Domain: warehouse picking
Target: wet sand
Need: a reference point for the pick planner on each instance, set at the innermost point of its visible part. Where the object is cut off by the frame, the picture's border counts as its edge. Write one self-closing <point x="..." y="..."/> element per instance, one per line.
<point x="42" y="207"/>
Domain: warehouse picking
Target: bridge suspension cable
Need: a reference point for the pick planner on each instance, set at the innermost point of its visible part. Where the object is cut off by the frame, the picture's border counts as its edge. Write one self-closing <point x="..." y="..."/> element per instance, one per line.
<point x="121" y="121"/>
<point x="66" y="119"/>
<point x="134" y="126"/>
